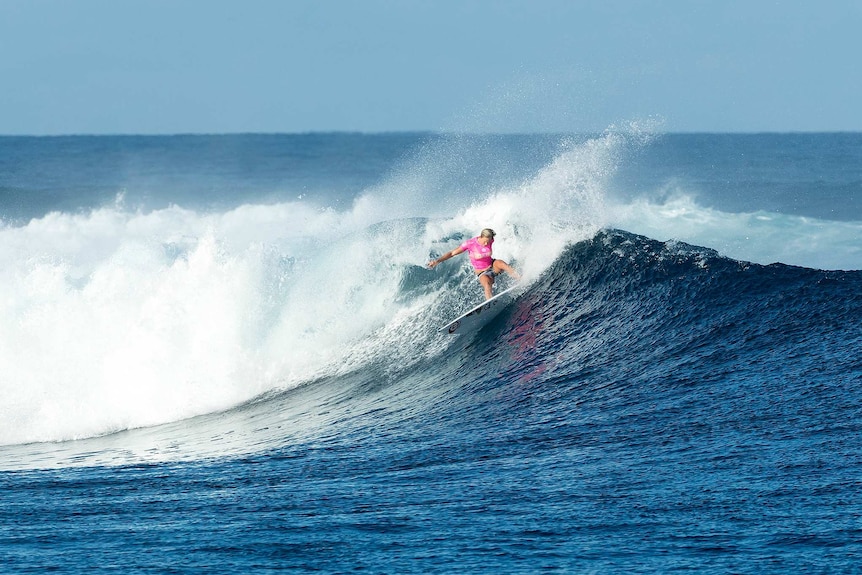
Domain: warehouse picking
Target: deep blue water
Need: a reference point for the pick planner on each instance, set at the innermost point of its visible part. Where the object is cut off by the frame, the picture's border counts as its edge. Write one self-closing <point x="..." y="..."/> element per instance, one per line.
<point x="220" y="354"/>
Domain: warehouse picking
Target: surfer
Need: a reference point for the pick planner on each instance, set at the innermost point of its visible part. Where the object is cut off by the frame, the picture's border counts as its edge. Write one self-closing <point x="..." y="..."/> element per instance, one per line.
<point x="485" y="266"/>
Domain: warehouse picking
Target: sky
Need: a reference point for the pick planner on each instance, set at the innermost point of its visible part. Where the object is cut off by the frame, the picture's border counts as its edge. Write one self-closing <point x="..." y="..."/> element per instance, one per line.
<point x="294" y="66"/>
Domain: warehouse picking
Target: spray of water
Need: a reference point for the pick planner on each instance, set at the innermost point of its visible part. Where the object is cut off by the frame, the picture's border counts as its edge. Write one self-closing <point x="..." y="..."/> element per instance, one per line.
<point x="116" y="318"/>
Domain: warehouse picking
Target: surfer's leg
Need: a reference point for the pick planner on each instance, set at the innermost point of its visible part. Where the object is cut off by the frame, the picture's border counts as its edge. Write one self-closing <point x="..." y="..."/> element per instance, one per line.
<point x="487" y="282"/>
<point x="501" y="266"/>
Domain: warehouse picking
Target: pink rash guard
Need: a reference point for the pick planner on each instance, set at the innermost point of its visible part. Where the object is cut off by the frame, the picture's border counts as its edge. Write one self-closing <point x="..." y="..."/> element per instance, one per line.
<point x="480" y="256"/>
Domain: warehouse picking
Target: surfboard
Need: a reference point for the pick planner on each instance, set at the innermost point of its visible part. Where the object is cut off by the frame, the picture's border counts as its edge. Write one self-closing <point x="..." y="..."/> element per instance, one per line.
<point x="481" y="314"/>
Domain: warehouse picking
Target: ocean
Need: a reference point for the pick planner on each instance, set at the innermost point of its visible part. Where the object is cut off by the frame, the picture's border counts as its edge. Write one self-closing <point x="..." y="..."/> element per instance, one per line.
<point x="220" y="354"/>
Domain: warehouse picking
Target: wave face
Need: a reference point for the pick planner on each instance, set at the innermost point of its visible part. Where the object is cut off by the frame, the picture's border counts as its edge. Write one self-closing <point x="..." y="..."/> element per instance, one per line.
<point x="276" y="368"/>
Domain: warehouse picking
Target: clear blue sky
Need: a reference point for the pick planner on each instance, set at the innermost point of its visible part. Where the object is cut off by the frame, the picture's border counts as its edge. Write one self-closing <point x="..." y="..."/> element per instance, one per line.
<point x="212" y="66"/>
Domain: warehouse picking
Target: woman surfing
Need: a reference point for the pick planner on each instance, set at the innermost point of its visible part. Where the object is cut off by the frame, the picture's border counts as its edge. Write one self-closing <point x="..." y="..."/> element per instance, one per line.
<point x="485" y="266"/>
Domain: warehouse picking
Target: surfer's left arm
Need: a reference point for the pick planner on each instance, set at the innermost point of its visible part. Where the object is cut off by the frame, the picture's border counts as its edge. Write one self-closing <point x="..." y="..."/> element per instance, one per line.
<point x="445" y="257"/>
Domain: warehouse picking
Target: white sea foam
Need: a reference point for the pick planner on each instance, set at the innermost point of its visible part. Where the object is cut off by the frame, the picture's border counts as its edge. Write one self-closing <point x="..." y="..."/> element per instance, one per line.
<point x="112" y="320"/>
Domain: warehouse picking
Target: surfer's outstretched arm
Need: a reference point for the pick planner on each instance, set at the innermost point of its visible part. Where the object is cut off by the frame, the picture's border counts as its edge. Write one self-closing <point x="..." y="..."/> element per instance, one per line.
<point x="445" y="257"/>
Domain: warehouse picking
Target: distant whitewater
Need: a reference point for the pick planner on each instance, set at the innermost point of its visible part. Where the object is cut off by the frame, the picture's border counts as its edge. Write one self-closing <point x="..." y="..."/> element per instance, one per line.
<point x="242" y="327"/>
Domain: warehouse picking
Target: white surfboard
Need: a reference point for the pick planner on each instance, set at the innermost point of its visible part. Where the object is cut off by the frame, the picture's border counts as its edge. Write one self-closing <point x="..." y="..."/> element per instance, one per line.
<point x="481" y="314"/>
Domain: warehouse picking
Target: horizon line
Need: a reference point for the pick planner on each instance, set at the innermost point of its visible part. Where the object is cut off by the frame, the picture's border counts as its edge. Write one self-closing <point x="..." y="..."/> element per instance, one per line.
<point x="418" y="131"/>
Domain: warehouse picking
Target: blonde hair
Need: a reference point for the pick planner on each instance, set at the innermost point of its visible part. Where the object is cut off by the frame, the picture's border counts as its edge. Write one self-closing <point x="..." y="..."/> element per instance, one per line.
<point x="488" y="233"/>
